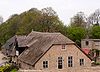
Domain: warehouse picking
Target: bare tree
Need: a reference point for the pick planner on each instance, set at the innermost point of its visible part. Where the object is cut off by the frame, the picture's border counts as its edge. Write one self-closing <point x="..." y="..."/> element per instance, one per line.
<point x="79" y="20"/>
<point x="49" y="11"/>
<point x="94" y="18"/>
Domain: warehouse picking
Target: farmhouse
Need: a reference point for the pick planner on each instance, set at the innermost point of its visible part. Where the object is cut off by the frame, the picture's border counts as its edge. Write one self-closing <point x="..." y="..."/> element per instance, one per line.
<point x="45" y="51"/>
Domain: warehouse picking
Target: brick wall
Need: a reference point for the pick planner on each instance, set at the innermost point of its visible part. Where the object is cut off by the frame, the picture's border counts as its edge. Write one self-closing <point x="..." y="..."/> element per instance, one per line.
<point x="57" y="51"/>
<point x="52" y="57"/>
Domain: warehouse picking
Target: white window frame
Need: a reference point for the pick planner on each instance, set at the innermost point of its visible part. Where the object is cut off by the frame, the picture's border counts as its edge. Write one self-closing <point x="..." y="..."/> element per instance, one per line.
<point x="45" y="64"/>
<point x="82" y="61"/>
<point x="70" y="61"/>
<point x="61" y="62"/>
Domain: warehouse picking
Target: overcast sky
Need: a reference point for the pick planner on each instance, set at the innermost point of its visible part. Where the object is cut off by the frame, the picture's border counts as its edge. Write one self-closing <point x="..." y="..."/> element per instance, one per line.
<point x="64" y="8"/>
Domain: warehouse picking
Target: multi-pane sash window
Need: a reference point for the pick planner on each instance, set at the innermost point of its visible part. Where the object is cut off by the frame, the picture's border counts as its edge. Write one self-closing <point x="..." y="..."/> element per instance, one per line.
<point x="81" y="62"/>
<point x="60" y="62"/>
<point x="70" y="61"/>
<point x="45" y="64"/>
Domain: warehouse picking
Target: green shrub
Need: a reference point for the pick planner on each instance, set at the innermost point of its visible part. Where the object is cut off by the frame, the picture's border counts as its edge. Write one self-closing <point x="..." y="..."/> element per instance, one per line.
<point x="14" y="70"/>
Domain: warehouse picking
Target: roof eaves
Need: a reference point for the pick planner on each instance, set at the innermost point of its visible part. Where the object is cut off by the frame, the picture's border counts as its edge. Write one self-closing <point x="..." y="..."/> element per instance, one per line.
<point x="82" y="51"/>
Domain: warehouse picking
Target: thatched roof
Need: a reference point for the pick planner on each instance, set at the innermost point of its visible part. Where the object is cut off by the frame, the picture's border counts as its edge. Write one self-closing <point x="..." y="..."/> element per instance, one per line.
<point x="39" y="43"/>
<point x="13" y="40"/>
<point x="10" y="44"/>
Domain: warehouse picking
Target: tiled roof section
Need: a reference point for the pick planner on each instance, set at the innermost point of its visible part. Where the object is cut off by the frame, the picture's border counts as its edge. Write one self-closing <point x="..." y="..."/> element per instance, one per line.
<point x="86" y="50"/>
<point x="39" y="43"/>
